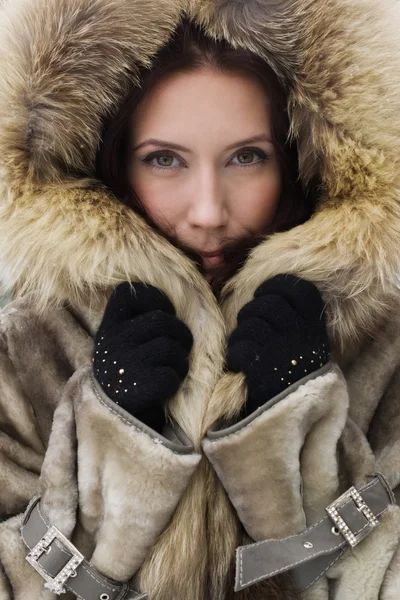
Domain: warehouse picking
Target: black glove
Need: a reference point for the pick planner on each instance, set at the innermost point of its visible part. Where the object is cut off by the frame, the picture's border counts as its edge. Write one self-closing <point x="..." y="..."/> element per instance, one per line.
<point x="280" y="338"/>
<point x="141" y="351"/>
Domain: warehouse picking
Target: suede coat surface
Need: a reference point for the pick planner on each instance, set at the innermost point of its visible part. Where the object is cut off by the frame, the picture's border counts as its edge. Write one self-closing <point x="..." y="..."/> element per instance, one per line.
<point x="167" y="511"/>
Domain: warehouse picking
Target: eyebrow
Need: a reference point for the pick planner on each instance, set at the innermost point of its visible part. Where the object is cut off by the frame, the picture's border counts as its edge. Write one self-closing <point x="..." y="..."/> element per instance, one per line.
<point x="164" y="144"/>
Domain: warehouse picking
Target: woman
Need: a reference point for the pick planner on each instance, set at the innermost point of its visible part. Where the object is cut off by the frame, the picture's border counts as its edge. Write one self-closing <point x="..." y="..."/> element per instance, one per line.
<point x="164" y="421"/>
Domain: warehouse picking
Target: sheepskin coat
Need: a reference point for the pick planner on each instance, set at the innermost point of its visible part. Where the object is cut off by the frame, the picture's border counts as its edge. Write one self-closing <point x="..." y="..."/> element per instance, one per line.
<point x="168" y="511"/>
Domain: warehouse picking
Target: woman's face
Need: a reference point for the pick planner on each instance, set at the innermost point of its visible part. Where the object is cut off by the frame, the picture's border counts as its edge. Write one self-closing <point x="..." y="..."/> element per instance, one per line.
<point x="203" y="164"/>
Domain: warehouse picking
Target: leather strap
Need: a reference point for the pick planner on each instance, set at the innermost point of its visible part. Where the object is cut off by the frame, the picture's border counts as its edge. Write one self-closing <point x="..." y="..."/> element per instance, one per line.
<point x="61" y="564"/>
<point x="309" y="554"/>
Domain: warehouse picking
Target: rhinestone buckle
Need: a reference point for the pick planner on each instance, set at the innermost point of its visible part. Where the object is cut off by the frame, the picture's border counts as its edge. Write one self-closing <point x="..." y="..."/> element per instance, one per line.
<point x="55" y="584"/>
<point x="372" y="522"/>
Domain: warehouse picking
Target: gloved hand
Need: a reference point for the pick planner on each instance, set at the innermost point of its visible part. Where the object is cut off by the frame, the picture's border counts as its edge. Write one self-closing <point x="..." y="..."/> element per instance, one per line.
<point x="279" y="339"/>
<point x="141" y="351"/>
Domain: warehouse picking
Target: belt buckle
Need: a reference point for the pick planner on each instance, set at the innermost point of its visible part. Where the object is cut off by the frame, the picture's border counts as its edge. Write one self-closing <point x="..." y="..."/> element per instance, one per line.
<point x="55" y="584"/>
<point x="332" y="510"/>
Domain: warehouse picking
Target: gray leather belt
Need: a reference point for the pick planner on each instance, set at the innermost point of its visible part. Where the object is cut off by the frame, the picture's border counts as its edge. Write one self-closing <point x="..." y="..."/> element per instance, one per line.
<point x="310" y="554"/>
<point x="57" y="560"/>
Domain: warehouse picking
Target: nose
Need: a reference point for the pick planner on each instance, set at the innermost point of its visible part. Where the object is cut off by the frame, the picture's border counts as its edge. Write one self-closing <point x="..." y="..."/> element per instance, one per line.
<point x="208" y="204"/>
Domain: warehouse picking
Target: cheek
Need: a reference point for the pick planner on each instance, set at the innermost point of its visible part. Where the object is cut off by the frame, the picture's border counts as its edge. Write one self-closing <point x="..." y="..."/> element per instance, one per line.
<point x="158" y="197"/>
<point x="256" y="201"/>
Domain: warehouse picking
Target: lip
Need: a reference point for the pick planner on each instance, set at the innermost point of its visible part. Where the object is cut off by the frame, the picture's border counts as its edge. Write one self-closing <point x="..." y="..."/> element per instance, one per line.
<point x="212" y="260"/>
<point x="210" y="254"/>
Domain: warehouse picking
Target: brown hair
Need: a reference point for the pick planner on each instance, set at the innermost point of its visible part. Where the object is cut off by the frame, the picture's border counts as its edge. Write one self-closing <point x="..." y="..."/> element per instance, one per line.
<point x="190" y="49"/>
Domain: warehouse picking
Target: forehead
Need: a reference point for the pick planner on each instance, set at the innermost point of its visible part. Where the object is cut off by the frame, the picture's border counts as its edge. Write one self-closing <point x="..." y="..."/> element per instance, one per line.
<point x="203" y="105"/>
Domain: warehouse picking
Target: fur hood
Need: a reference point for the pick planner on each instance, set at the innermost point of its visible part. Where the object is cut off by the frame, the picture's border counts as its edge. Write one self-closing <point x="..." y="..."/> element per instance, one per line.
<point x="66" y="64"/>
<point x="64" y="239"/>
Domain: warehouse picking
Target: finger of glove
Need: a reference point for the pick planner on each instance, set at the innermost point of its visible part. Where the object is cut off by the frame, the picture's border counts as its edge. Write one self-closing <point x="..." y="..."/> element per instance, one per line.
<point x="254" y="330"/>
<point x="164" y="352"/>
<point x="242" y="356"/>
<point x="267" y="322"/>
<point x="274" y="310"/>
<point x="301" y="294"/>
<point x="147" y="327"/>
<point x="129" y="300"/>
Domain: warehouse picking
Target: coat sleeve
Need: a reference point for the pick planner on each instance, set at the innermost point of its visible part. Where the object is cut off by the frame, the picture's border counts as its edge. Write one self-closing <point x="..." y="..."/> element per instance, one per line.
<point x="108" y="482"/>
<point x="130" y="479"/>
<point x="284" y="464"/>
<point x="287" y="449"/>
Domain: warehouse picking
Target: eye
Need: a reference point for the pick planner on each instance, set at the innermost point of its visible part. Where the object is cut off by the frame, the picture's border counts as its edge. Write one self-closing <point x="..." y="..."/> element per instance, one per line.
<point x="162" y="160"/>
<point x="248" y="157"/>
